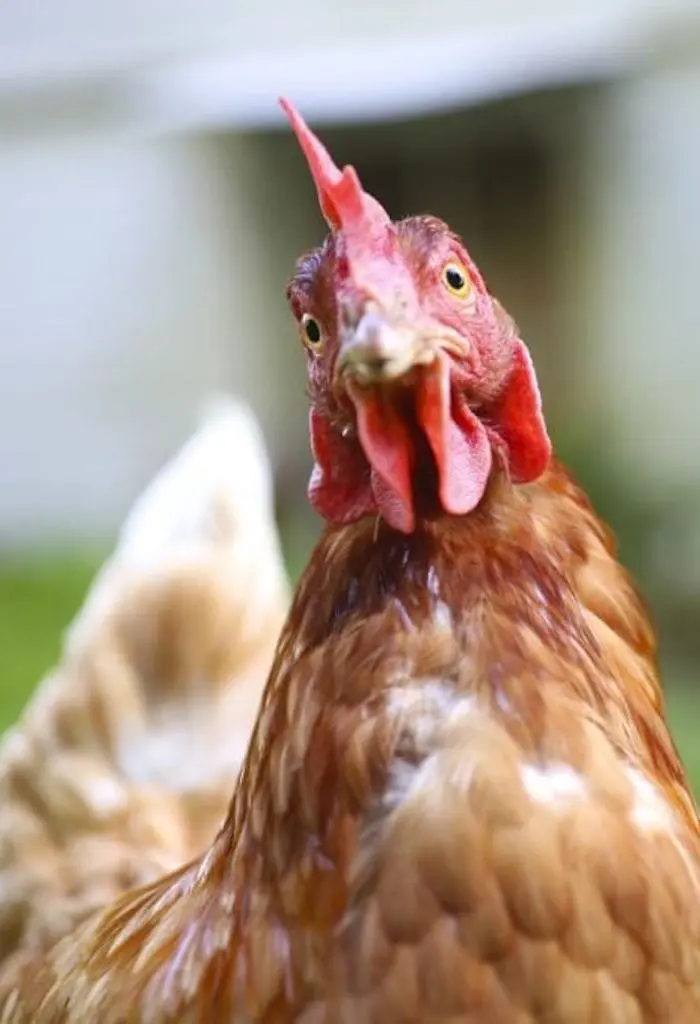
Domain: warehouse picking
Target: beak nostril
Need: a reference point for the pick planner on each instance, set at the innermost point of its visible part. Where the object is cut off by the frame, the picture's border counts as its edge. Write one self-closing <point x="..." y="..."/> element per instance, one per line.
<point x="367" y="361"/>
<point x="374" y="358"/>
<point x="378" y="350"/>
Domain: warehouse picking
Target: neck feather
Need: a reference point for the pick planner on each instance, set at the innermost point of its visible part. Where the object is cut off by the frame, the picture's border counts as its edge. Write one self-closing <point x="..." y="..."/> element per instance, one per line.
<point x="521" y="604"/>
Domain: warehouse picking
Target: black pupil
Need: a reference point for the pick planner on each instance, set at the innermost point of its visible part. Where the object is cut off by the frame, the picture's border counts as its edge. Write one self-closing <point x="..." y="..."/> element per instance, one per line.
<point x="455" y="278"/>
<point x="313" y="331"/>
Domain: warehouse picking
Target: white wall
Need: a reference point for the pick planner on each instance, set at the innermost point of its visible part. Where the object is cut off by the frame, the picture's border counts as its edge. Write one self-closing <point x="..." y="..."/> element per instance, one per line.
<point x="639" y="285"/>
<point x="114" y="316"/>
<point x="38" y="37"/>
<point x="138" y="277"/>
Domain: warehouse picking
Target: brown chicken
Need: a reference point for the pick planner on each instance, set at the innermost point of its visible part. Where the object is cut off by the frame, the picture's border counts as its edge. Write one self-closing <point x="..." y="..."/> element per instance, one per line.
<point x="461" y="802"/>
<point x="121" y="766"/>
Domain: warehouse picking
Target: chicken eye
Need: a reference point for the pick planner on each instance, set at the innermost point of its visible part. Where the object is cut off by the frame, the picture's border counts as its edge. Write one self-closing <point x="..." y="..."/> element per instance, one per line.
<point x="456" y="279"/>
<point x="313" y="335"/>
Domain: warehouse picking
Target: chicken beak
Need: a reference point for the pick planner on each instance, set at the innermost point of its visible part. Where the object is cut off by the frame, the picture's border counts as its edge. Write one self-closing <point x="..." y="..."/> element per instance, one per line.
<point x="378" y="352"/>
<point x="376" y="370"/>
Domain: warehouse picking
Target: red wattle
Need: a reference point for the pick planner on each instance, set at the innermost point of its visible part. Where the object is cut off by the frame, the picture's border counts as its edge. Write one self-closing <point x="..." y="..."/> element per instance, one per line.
<point x="386" y="441"/>
<point x="458" y="440"/>
<point x="374" y="472"/>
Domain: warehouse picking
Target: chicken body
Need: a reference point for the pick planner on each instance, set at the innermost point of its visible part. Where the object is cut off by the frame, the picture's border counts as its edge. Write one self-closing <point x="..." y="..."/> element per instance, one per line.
<point x="461" y="804"/>
<point x="122" y="764"/>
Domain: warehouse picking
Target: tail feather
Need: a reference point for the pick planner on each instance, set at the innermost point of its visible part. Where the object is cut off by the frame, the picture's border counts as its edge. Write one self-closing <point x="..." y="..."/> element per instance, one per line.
<point x="215" y="495"/>
<point x="217" y="484"/>
<point x="128" y="751"/>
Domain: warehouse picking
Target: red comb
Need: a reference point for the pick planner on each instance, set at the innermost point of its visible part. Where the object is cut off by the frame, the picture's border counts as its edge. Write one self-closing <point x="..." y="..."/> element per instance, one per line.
<point x="344" y="203"/>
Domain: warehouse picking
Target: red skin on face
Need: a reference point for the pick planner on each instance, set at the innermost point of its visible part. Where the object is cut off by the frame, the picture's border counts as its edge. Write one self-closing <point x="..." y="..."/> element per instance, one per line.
<point x="464" y="405"/>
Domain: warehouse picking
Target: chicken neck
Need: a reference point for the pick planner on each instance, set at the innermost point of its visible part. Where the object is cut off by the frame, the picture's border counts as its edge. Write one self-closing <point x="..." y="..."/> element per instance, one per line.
<point x="521" y="605"/>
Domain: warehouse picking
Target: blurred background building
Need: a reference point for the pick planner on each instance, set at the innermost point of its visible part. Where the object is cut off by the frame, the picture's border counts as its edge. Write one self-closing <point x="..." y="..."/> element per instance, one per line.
<point x="153" y="203"/>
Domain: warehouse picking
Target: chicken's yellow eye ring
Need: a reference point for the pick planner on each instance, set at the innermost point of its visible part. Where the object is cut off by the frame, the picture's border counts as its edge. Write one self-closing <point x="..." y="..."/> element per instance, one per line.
<point x="455" y="278"/>
<point x="312" y="331"/>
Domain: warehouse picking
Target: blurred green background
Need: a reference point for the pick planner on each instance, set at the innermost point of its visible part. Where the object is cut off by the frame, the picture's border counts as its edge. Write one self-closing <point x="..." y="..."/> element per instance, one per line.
<point x="39" y="595"/>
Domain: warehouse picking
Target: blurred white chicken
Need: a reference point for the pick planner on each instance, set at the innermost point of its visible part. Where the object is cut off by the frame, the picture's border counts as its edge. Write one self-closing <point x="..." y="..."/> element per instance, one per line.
<point x="122" y="764"/>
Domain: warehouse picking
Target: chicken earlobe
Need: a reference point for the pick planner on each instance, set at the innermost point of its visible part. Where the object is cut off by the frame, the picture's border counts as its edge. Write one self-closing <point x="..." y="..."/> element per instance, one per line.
<point x="340" y="488"/>
<point x="519" y="421"/>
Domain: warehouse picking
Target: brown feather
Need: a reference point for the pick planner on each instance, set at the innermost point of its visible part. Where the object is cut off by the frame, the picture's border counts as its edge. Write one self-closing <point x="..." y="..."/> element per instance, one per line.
<point x="461" y="802"/>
